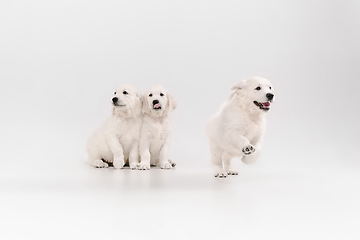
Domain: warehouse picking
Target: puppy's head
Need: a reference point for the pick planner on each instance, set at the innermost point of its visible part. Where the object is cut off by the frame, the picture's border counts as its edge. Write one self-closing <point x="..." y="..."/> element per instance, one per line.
<point x="126" y="100"/>
<point x="256" y="92"/>
<point x="158" y="101"/>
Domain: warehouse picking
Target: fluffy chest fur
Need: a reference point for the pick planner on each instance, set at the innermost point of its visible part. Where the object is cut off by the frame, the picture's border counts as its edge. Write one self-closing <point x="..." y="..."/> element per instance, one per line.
<point x="235" y="119"/>
<point x="156" y="128"/>
<point x="157" y="131"/>
<point x="125" y="129"/>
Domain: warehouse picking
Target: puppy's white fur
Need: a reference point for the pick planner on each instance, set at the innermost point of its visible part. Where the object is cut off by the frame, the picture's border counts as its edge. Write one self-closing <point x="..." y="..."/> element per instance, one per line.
<point x="117" y="140"/>
<point x="156" y="130"/>
<point x="237" y="129"/>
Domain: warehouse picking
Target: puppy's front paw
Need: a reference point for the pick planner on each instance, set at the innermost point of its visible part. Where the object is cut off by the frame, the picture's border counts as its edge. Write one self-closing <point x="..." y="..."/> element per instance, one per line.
<point x="143" y="166"/>
<point x="134" y="166"/>
<point x="249" y="149"/>
<point x="221" y="174"/>
<point x="165" y="165"/>
<point x="118" y="163"/>
<point x="100" y="164"/>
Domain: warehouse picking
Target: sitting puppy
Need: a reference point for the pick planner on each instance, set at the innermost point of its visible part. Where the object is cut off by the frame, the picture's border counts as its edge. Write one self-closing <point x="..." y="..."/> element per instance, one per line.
<point x="116" y="141"/>
<point x="237" y="129"/>
<point x="156" y="130"/>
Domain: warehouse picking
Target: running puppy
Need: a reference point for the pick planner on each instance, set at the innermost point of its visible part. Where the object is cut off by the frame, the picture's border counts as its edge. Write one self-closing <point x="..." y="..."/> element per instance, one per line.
<point x="116" y="141"/>
<point x="237" y="129"/>
<point x="156" y="130"/>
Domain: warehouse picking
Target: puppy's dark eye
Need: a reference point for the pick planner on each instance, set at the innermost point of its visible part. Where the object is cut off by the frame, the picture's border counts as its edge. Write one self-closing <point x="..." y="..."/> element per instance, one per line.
<point x="114" y="93"/>
<point x="258" y="88"/>
<point x="270" y="88"/>
<point x="125" y="92"/>
<point x="161" y="94"/>
<point x="150" y="95"/>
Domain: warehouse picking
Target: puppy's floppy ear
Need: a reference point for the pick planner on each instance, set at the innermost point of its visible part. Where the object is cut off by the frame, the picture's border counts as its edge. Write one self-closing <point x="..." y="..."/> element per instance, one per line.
<point x="172" y="103"/>
<point x="145" y="105"/>
<point x="239" y="85"/>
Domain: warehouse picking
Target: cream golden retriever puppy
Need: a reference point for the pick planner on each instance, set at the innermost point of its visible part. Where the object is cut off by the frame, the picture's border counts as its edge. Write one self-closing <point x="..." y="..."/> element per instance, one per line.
<point x="237" y="129"/>
<point x="116" y="141"/>
<point x="156" y="130"/>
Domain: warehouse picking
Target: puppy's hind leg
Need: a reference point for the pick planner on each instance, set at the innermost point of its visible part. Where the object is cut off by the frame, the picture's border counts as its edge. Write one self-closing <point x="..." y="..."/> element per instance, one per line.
<point x="216" y="161"/>
<point x="227" y="164"/>
<point x="98" y="163"/>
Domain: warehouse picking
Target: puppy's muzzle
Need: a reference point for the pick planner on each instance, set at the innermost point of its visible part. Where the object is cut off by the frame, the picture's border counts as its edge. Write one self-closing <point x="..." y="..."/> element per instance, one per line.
<point x="116" y="103"/>
<point x="156" y="104"/>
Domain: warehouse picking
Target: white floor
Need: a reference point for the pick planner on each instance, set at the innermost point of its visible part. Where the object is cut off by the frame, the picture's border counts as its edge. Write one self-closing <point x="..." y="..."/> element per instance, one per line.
<point x="81" y="202"/>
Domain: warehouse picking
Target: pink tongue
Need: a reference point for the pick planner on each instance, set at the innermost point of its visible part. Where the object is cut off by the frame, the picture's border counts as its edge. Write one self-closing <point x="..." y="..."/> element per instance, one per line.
<point x="266" y="104"/>
<point x="157" y="105"/>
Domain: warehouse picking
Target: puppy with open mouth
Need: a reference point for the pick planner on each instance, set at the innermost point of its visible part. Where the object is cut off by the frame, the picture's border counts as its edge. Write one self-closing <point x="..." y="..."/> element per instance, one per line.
<point x="237" y="129"/>
<point x="116" y="141"/>
<point x="156" y="129"/>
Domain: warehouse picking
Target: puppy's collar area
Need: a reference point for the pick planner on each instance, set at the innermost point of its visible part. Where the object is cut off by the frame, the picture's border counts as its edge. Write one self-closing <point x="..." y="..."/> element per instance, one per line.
<point x="263" y="106"/>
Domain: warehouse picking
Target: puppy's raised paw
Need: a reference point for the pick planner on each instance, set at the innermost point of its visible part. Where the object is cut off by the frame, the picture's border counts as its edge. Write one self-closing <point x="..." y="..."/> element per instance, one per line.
<point x="249" y="149"/>
<point x="100" y="164"/>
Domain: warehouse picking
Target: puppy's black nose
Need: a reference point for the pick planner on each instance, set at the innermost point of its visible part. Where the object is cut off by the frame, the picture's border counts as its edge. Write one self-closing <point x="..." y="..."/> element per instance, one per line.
<point x="270" y="96"/>
<point x="155" y="102"/>
<point x="115" y="99"/>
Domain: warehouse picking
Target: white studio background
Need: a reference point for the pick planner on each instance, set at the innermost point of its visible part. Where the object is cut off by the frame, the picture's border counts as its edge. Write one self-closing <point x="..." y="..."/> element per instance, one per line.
<point x="62" y="60"/>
